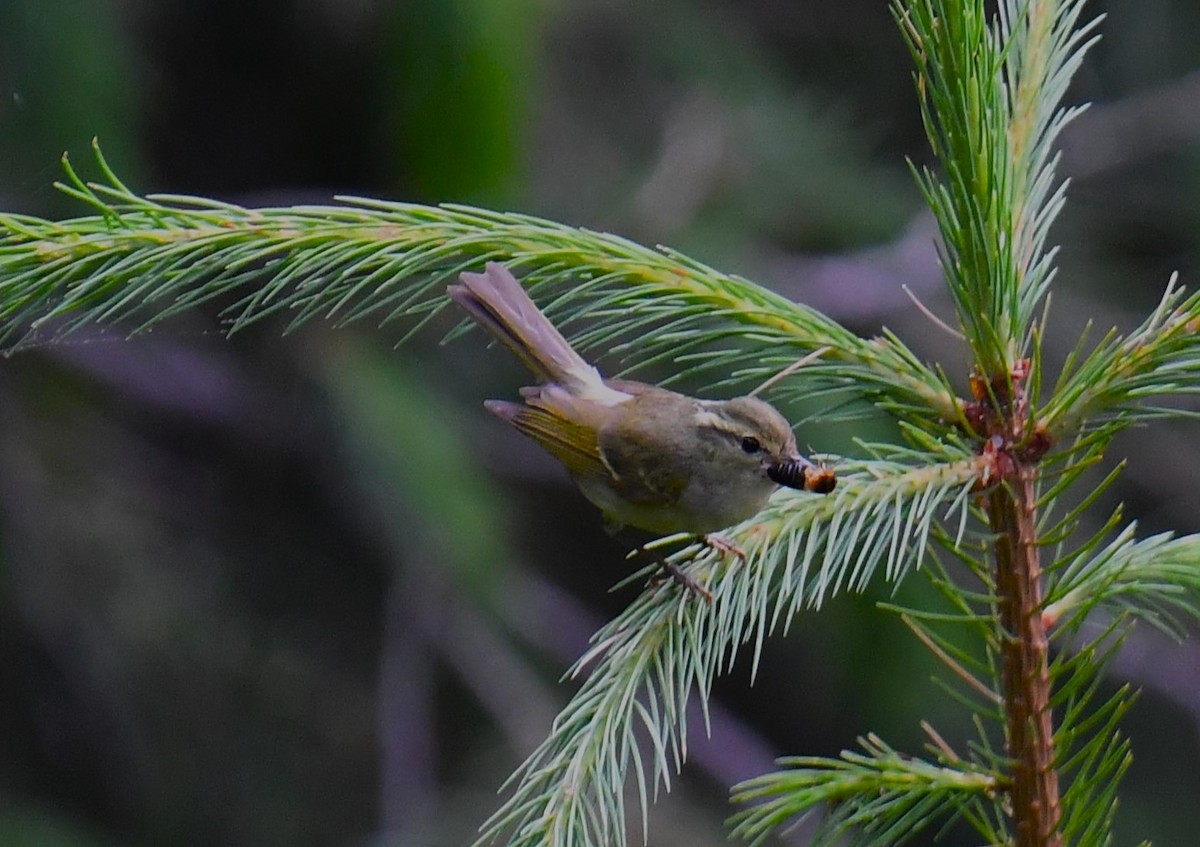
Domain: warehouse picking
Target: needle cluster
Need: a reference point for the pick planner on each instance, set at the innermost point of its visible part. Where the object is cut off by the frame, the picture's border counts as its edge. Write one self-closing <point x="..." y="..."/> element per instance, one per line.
<point x="969" y="498"/>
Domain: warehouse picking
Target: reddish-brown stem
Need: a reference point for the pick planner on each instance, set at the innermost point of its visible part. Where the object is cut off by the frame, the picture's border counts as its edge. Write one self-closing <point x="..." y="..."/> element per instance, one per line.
<point x="1025" y="672"/>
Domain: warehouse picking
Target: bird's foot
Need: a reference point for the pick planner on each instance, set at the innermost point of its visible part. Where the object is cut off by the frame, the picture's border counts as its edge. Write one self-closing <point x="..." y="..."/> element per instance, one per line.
<point x="688" y="583"/>
<point x="676" y="573"/>
<point x="723" y="545"/>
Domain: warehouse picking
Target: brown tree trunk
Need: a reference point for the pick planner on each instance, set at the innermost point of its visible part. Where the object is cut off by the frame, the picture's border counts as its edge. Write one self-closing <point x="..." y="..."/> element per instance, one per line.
<point x="1034" y="790"/>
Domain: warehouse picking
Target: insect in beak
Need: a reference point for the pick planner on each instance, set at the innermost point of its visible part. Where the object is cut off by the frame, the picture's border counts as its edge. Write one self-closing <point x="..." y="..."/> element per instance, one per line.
<point x="802" y="474"/>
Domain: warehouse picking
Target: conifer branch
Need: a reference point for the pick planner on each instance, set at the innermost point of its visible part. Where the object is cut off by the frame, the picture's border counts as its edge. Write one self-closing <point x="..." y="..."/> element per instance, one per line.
<point x="1110" y="387"/>
<point x="1154" y="579"/>
<point x="990" y="91"/>
<point x="990" y="97"/>
<point x="882" y="797"/>
<point x="646" y="663"/>
<point x="990" y="94"/>
<point x="1025" y="672"/>
<point x="142" y="260"/>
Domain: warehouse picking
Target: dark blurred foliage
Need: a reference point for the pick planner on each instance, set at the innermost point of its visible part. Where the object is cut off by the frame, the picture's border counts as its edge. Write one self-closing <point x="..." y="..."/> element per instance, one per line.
<point x="302" y="590"/>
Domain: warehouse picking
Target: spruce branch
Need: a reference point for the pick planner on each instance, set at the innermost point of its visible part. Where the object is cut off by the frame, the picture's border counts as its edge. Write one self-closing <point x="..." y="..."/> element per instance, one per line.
<point x="989" y="96"/>
<point x="1092" y="754"/>
<point x="990" y="89"/>
<point x="1025" y="674"/>
<point x="647" y="662"/>
<point x="1109" y="388"/>
<point x="142" y="260"/>
<point x="881" y="796"/>
<point x="990" y="93"/>
<point x="1154" y="579"/>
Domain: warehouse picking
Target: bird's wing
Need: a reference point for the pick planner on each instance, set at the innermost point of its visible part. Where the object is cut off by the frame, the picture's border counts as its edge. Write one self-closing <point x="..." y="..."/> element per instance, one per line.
<point x="620" y="446"/>
<point x="573" y="443"/>
<point x="646" y="468"/>
<point x="641" y="475"/>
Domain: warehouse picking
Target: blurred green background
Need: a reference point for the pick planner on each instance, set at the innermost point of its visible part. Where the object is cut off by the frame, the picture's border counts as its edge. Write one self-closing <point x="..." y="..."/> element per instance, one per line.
<point x="303" y="590"/>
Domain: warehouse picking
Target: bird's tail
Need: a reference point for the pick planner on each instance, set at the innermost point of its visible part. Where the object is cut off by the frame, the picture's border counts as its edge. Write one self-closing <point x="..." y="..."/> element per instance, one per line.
<point x="500" y="305"/>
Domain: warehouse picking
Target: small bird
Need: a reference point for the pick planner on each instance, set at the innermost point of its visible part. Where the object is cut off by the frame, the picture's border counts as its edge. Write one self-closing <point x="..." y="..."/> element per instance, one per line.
<point x="648" y="457"/>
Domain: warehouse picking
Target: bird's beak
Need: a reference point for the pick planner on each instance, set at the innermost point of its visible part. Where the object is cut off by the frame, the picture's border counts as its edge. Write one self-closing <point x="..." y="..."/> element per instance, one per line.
<point x="799" y="473"/>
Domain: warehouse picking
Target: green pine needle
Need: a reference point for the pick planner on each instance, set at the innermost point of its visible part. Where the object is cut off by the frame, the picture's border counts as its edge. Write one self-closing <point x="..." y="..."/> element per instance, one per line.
<point x="142" y="260"/>
<point x="989" y="94"/>
<point x="644" y="667"/>
<point x="991" y="87"/>
<point x="881" y="797"/>
<point x="1155" y="579"/>
<point x="1109" y="388"/>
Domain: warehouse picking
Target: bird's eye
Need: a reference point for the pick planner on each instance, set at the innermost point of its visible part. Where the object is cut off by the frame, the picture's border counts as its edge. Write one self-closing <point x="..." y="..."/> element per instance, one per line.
<point x="750" y="444"/>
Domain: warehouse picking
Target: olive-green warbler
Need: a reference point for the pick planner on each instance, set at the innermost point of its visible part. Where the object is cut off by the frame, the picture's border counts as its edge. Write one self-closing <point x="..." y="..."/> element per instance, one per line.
<point x="646" y="456"/>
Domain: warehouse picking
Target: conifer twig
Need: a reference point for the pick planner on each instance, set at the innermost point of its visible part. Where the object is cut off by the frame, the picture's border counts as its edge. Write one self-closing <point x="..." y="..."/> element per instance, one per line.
<point x="1025" y="663"/>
